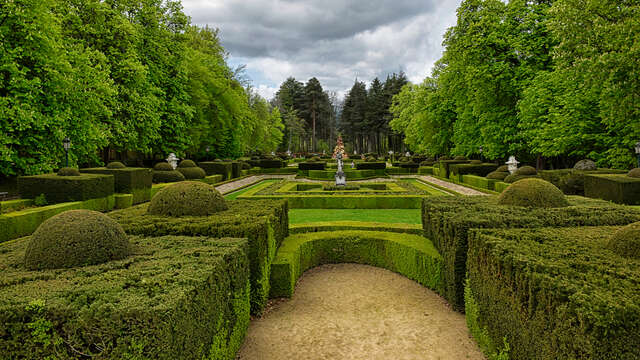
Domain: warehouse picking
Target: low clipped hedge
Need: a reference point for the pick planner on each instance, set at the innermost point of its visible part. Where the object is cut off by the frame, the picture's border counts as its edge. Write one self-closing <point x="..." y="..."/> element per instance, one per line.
<point x="272" y="163"/>
<point x="284" y="171"/>
<point x="311" y="166"/>
<point x="350" y="201"/>
<point x="59" y="189"/>
<point x="350" y="174"/>
<point x="571" y="181"/>
<point x="458" y="170"/>
<point x="136" y="181"/>
<point x="409" y="165"/>
<point x="555" y="293"/>
<point x="355" y="225"/>
<point x="444" y="166"/>
<point x="401" y="171"/>
<point x="167" y="176"/>
<point x="371" y="165"/>
<point x="173" y="298"/>
<point x="14" y="205"/>
<point x="265" y="223"/>
<point x="218" y="167"/>
<point x="479" y="182"/>
<point x="425" y="170"/>
<point x="410" y="255"/>
<point x="447" y="221"/>
<point x="621" y="189"/>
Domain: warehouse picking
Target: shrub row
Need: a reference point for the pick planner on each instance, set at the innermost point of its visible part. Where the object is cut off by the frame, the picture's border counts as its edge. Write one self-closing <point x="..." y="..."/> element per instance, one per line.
<point x="571" y="181"/>
<point x="311" y="165"/>
<point x="174" y="298"/>
<point x="621" y="189"/>
<point x="371" y="165"/>
<point x="355" y="225"/>
<point x="447" y="221"/>
<point x="59" y="189"/>
<point x="410" y="255"/>
<point x="555" y="293"/>
<point x="136" y="181"/>
<point x="264" y="223"/>
<point x="215" y="167"/>
<point x="443" y="167"/>
<point x="458" y="170"/>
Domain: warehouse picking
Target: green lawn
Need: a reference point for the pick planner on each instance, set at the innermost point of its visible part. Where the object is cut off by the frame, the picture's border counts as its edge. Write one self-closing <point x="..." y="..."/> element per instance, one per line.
<point x="234" y="195"/>
<point x="406" y="216"/>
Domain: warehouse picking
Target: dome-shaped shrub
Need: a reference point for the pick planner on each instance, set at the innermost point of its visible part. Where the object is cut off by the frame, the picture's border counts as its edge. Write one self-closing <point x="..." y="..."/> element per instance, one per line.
<point x="68" y="171"/>
<point x="634" y="173"/>
<point x="404" y="159"/>
<point x="187" y="164"/>
<point x="163" y="166"/>
<point x="460" y="158"/>
<point x="115" y="165"/>
<point x="476" y="162"/>
<point x="371" y="159"/>
<point x="187" y="198"/>
<point x="626" y="241"/>
<point x="503" y="168"/>
<point x="315" y="159"/>
<point x="167" y="176"/>
<point x="497" y="175"/>
<point x="526" y="170"/>
<point x="76" y="238"/>
<point x="444" y="158"/>
<point x="533" y="193"/>
<point x="245" y="165"/>
<point x="511" y="178"/>
<point x="585" y="165"/>
<point x="192" y="172"/>
<point x="217" y="160"/>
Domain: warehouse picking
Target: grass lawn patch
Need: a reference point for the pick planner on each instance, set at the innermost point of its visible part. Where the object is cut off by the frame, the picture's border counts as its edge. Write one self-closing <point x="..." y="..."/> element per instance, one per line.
<point x="404" y="216"/>
<point x="233" y="195"/>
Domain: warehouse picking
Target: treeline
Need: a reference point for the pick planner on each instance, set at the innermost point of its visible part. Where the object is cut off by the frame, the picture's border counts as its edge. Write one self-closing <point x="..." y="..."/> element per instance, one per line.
<point x="123" y="77"/>
<point x="547" y="81"/>
<point x="365" y="117"/>
<point x="309" y="116"/>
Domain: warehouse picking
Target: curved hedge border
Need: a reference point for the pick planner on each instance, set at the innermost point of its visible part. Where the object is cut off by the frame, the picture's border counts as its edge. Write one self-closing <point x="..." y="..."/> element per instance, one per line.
<point x="410" y="255"/>
<point x="320" y="226"/>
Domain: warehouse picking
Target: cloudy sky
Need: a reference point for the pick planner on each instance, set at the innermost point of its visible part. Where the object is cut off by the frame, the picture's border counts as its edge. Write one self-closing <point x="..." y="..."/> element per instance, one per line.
<point x="333" y="40"/>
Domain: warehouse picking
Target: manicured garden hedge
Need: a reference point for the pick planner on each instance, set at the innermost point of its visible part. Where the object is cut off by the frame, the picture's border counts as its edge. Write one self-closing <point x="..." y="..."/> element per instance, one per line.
<point x="264" y="222"/>
<point x="58" y="189"/>
<point x="285" y="171"/>
<point x="216" y="167"/>
<point x="311" y="166"/>
<point x="458" y="170"/>
<point x="425" y="170"/>
<point x="355" y="225"/>
<point x="350" y="174"/>
<point x="571" y="181"/>
<point x="479" y="182"/>
<point x="271" y="164"/>
<point x="555" y="293"/>
<point x="400" y="171"/>
<point x="174" y="298"/>
<point x="444" y="167"/>
<point x="24" y="222"/>
<point x="620" y="189"/>
<point x="136" y="181"/>
<point x="14" y="205"/>
<point x="371" y="165"/>
<point x="447" y="220"/>
<point x="410" y="255"/>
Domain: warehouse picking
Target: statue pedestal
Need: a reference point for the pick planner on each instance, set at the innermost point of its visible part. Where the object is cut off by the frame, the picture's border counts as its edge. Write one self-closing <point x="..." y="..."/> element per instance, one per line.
<point x="341" y="177"/>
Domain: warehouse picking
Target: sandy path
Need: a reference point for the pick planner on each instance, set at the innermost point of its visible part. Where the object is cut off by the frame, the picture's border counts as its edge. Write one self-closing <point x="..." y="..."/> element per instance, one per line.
<point x="349" y="311"/>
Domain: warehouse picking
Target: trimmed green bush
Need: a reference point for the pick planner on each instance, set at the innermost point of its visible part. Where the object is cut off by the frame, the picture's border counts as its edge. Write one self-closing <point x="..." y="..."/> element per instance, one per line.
<point x="478" y="182"/>
<point x="311" y="165"/>
<point x="59" y="189"/>
<point x="76" y="238"/>
<point x="167" y="176"/>
<point x="187" y="198"/>
<point x="173" y="298"/>
<point x="427" y="163"/>
<point x="163" y="166"/>
<point x="497" y="175"/>
<point x="333" y="187"/>
<point x="192" y="173"/>
<point x="123" y="201"/>
<point x="217" y="167"/>
<point x="526" y="171"/>
<point x="447" y="220"/>
<point x="187" y="164"/>
<point x="265" y="223"/>
<point x="371" y="165"/>
<point x="620" y="189"/>
<point x="555" y="293"/>
<point x="510" y="179"/>
<point x="626" y="241"/>
<point x="533" y="193"/>
<point x="472" y="169"/>
<point x="314" y="227"/>
<point x="460" y="157"/>
<point x="444" y="167"/>
<point x="14" y="205"/>
<point x="410" y="255"/>
<point x="116" y="165"/>
<point x="408" y="165"/>
<point x="476" y="162"/>
<point x="68" y="171"/>
<point x="272" y="164"/>
<point x="136" y="181"/>
<point x="503" y="168"/>
<point x="634" y="173"/>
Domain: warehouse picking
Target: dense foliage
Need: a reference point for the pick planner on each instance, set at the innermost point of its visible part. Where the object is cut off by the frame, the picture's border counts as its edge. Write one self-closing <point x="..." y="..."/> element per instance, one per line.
<point x="123" y="76"/>
<point x="553" y="80"/>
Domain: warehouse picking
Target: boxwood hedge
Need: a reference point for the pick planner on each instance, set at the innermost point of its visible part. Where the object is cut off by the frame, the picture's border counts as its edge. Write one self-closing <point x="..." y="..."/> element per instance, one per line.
<point x="136" y="181"/>
<point x="58" y="189"/>
<point x="447" y="221"/>
<point x="265" y="223"/>
<point x="556" y="293"/>
<point x="458" y="170"/>
<point x="174" y="298"/>
<point x="621" y="189"/>
<point x="218" y="167"/>
<point x="311" y="166"/>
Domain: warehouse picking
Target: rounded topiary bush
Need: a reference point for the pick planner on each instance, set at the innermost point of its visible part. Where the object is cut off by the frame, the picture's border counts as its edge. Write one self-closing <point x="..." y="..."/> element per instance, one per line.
<point x="217" y="160"/>
<point x="511" y="178"/>
<point x="476" y="162"/>
<point x="76" y="238"/>
<point x="68" y="171"/>
<point x="533" y="193"/>
<point x="497" y="175"/>
<point x="167" y="176"/>
<point x="585" y="165"/>
<point x="626" y="241"/>
<point x="503" y="168"/>
<point x="634" y="173"/>
<point x="460" y="158"/>
<point x="404" y="159"/>
<point x="315" y="159"/>
<point x="526" y="170"/>
<point x="163" y="166"/>
<point x="192" y="172"/>
<point x="116" y="165"/>
<point x="187" y="198"/>
<point x="187" y="164"/>
<point x="444" y="158"/>
<point x="371" y="159"/>
<point x="245" y="165"/>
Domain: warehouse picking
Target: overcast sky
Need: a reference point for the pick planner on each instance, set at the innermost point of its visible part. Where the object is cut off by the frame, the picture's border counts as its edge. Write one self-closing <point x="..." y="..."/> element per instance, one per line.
<point x="333" y="40"/>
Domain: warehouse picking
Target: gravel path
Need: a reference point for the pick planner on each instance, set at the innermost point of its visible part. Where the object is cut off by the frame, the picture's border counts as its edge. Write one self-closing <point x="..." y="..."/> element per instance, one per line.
<point x="349" y="311"/>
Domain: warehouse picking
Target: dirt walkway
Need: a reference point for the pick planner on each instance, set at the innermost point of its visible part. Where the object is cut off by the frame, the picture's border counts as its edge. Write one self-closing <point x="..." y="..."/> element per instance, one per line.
<point x="349" y="311"/>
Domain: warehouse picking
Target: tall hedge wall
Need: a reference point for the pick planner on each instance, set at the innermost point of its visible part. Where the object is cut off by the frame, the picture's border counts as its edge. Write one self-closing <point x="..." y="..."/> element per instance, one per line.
<point x="58" y="189"/>
<point x="174" y="298"/>
<point x="571" y="181"/>
<point x="471" y="169"/>
<point x="444" y="169"/>
<point x="447" y="221"/>
<point x="136" y="181"/>
<point x="265" y="223"/>
<point x="215" y="167"/>
<point x="620" y="189"/>
<point x="556" y="293"/>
